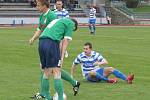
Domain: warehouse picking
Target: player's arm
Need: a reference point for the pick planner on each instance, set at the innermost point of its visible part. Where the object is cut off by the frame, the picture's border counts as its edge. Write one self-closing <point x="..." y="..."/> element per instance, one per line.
<point x="35" y="36"/>
<point x="74" y="65"/>
<point x="102" y="62"/>
<point x="64" y="45"/>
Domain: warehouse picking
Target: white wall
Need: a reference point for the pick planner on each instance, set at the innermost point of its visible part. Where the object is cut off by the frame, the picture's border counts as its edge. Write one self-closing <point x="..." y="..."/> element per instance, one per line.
<point x="33" y="20"/>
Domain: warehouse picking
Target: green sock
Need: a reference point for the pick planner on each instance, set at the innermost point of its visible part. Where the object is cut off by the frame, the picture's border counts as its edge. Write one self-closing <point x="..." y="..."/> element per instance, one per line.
<point x="46" y="87"/>
<point x="59" y="88"/>
<point x="66" y="76"/>
<point x="41" y="79"/>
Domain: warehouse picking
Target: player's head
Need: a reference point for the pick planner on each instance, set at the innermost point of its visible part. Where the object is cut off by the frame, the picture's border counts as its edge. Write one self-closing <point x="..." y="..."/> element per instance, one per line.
<point x="76" y="24"/>
<point x="59" y="4"/>
<point x="42" y="5"/>
<point x="87" y="48"/>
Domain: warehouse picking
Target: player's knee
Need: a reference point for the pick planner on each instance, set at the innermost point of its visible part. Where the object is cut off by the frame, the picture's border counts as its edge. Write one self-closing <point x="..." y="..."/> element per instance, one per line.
<point x="92" y="74"/>
<point x="56" y="73"/>
<point x="46" y="73"/>
<point x="111" y="69"/>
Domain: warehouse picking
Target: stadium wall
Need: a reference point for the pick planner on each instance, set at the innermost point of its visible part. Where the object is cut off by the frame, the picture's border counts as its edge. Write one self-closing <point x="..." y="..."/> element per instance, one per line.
<point x="33" y="20"/>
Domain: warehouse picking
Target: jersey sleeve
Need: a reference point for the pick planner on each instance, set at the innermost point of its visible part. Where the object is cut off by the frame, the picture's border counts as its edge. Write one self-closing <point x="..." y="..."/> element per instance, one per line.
<point x="100" y="57"/>
<point x="67" y="14"/>
<point x="69" y="31"/>
<point x="77" y="60"/>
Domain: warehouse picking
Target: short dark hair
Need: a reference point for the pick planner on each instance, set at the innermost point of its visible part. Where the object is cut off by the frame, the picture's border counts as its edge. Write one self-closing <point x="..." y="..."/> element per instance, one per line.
<point x="76" y="24"/>
<point x="88" y="44"/>
<point x="59" y="1"/>
<point x="44" y="2"/>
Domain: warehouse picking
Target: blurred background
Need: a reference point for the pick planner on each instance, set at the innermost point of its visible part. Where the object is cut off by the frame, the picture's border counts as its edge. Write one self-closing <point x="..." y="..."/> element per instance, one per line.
<point x="132" y="12"/>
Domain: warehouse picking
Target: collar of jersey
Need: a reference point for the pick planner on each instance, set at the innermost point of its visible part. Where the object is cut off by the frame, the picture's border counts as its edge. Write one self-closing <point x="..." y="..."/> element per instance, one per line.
<point x="46" y="12"/>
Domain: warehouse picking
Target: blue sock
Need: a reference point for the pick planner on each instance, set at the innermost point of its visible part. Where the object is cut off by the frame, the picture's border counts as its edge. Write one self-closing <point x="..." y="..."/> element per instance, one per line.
<point x="100" y="77"/>
<point x="119" y="74"/>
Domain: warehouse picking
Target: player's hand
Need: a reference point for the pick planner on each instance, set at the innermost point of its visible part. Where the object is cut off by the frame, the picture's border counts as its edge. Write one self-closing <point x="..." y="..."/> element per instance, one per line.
<point x="96" y="63"/>
<point x="60" y="63"/>
<point x="31" y="41"/>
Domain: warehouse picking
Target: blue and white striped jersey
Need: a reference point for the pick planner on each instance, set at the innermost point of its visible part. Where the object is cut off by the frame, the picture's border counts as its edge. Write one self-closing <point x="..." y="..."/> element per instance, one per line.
<point x="87" y="63"/>
<point x="92" y="13"/>
<point x="62" y="13"/>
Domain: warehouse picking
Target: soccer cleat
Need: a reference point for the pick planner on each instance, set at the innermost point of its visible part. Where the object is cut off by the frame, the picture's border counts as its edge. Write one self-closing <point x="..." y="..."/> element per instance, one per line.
<point x="76" y="88"/>
<point x="37" y="96"/>
<point x="130" y="78"/>
<point x="113" y="80"/>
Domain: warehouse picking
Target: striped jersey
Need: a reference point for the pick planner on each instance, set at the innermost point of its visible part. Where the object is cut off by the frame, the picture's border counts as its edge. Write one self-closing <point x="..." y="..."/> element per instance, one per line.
<point x="87" y="63"/>
<point x="62" y="13"/>
<point x="92" y="13"/>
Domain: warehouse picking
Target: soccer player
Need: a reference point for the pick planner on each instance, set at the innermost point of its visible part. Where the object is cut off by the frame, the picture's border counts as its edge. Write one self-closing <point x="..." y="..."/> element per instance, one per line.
<point x="61" y="13"/>
<point x="90" y="62"/>
<point x="50" y="55"/>
<point x="92" y="19"/>
<point x="45" y="18"/>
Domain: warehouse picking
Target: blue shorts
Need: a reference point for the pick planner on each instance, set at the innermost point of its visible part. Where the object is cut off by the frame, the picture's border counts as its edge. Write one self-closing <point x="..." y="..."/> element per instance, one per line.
<point x="92" y="21"/>
<point x="49" y="53"/>
<point x="99" y="70"/>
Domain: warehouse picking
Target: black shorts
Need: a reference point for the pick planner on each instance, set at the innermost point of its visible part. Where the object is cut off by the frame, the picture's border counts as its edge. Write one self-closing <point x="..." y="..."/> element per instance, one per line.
<point x="49" y="53"/>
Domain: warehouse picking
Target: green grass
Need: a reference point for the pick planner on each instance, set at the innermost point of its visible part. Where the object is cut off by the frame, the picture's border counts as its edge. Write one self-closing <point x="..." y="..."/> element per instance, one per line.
<point x="141" y="9"/>
<point x="126" y="48"/>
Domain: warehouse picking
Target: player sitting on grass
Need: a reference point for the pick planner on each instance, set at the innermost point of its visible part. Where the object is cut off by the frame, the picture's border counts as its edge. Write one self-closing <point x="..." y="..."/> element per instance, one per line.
<point x="90" y="61"/>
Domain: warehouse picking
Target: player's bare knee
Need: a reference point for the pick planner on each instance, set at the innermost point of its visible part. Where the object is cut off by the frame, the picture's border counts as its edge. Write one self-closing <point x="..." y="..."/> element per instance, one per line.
<point x="56" y="73"/>
<point x="46" y="73"/>
<point x="92" y="74"/>
<point x="111" y="69"/>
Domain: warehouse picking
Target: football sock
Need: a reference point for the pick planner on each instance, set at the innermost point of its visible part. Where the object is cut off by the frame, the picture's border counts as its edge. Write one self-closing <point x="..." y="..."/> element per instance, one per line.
<point x="94" y="28"/>
<point x="41" y="89"/>
<point x="46" y="87"/>
<point x="59" y="88"/>
<point x="66" y="76"/>
<point x="119" y="74"/>
<point x="90" y="27"/>
<point x="100" y="77"/>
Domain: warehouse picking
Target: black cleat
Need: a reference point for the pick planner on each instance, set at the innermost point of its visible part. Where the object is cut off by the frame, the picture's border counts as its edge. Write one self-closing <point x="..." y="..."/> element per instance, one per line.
<point x="76" y="88"/>
<point x="37" y="96"/>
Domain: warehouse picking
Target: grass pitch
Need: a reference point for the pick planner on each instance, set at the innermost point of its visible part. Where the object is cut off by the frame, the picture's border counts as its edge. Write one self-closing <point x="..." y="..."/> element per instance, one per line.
<point x="125" y="48"/>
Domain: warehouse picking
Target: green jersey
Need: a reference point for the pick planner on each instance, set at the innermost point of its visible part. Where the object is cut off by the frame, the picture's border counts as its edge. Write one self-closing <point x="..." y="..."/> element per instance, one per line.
<point x="45" y="19"/>
<point x="59" y="29"/>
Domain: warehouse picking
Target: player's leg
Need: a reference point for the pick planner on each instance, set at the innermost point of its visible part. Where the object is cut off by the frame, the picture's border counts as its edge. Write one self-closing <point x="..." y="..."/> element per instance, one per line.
<point x="58" y="83"/>
<point x="100" y="75"/>
<point x="55" y="62"/>
<point x="45" y="83"/>
<point x="118" y="74"/>
<point x="94" y="28"/>
<point x="90" y="26"/>
<point x="45" y="58"/>
<point x="67" y="77"/>
<point x="94" y="76"/>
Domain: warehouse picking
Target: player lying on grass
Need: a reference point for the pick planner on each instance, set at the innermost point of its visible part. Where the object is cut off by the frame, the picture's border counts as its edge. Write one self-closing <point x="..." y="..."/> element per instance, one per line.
<point x="92" y="64"/>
